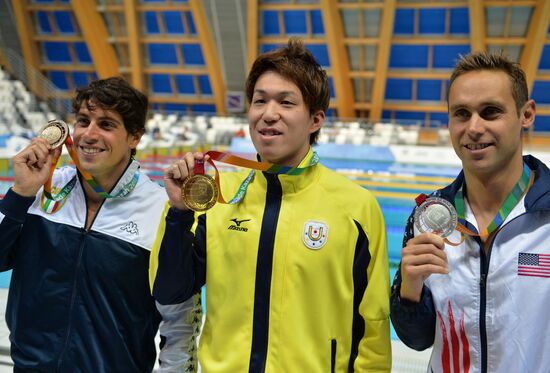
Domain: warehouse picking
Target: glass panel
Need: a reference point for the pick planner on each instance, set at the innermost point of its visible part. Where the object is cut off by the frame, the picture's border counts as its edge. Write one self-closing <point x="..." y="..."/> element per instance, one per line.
<point x="372" y="22"/>
<point x="354" y="57"/>
<point x="519" y="21"/>
<point x="350" y="19"/>
<point x="496" y="19"/>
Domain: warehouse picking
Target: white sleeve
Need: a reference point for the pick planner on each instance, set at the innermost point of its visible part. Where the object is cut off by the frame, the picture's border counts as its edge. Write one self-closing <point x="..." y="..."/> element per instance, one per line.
<point x="179" y="330"/>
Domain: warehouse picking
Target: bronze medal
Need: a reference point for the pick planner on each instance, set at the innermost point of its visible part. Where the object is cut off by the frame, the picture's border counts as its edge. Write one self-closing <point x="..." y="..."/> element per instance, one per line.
<point x="199" y="192"/>
<point x="55" y="132"/>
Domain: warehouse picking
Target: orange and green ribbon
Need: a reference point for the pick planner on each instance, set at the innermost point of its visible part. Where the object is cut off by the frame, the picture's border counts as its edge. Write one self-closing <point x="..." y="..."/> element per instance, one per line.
<point x="270" y="168"/>
<point x="52" y="203"/>
<point x="511" y="201"/>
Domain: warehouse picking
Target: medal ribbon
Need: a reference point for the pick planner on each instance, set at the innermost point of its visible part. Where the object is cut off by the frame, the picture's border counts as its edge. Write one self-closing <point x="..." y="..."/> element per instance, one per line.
<point x="270" y="168"/>
<point x="49" y="197"/>
<point x="511" y="201"/>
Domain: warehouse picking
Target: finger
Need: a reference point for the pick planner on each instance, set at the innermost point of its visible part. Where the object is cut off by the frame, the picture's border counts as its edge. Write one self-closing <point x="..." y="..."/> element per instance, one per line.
<point x="419" y="260"/>
<point x="425" y="248"/>
<point x="42" y="141"/>
<point x="426" y="270"/>
<point x="428" y="238"/>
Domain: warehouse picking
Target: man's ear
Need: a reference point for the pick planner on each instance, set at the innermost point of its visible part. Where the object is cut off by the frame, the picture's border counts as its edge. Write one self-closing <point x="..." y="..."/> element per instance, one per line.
<point x="318" y="119"/>
<point x="133" y="140"/>
<point x="527" y="115"/>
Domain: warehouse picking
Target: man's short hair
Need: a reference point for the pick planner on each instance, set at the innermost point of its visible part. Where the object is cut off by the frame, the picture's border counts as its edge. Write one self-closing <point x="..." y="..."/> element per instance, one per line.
<point x="115" y="94"/>
<point x="295" y="63"/>
<point x="496" y="62"/>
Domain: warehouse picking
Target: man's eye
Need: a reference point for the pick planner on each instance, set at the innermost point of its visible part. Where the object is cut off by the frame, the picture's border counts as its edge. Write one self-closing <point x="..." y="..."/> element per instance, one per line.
<point x="462" y="114"/>
<point x="490" y="112"/>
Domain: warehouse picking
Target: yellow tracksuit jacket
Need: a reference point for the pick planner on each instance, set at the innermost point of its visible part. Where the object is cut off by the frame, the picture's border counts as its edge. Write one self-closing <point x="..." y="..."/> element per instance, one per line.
<point x="296" y="275"/>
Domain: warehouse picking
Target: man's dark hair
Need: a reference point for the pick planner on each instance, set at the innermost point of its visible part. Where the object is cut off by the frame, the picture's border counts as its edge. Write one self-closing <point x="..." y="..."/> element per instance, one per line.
<point x="117" y="95"/>
<point x="478" y="61"/>
<point x="295" y="63"/>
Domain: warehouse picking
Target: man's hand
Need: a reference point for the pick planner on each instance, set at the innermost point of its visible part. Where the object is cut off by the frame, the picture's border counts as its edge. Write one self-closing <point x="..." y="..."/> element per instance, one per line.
<point x="422" y="257"/>
<point x="175" y="175"/>
<point x="31" y="167"/>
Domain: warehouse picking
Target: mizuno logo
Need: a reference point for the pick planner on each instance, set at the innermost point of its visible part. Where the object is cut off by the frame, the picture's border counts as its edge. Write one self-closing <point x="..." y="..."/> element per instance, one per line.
<point x="237" y="225"/>
<point x="238" y="222"/>
<point x="130" y="227"/>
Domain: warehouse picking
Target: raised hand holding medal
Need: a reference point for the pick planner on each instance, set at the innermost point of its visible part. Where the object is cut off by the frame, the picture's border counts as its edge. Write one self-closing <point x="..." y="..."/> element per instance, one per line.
<point x="199" y="192"/>
<point x="435" y="215"/>
<point x="55" y="132"/>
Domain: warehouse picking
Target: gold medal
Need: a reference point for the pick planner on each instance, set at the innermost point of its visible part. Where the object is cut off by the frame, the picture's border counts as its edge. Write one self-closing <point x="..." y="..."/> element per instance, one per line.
<point x="55" y="132"/>
<point x="199" y="192"/>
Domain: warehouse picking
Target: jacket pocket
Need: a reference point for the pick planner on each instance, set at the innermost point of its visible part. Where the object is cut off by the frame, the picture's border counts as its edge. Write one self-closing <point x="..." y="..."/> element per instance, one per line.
<point x="332" y="355"/>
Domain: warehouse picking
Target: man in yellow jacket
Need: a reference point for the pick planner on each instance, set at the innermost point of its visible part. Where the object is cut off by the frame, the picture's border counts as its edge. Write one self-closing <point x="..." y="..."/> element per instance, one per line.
<point x="297" y="270"/>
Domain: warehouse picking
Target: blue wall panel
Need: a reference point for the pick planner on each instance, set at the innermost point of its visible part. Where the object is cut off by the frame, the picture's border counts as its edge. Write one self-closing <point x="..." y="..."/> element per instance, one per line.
<point x="446" y="56"/>
<point x="204" y="84"/>
<point x="409" y="56"/>
<point x="544" y="63"/>
<point x="295" y="22"/>
<point x="398" y="89"/>
<point x="428" y="90"/>
<point x="59" y="79"/>
<point x="541" y="92"/>
<point x="57" y="52"/>
<point x="431" y="21"/>
<point x="192" y="54"/>
<point x="64" y="24"/>
<point x="173" y="22"/>
<point x="185" y="84"/>
<point x="160" y="83"/>
<point x="460" y="21"/>
<point x="320" y="52"/>
<point x="82" y="53"/>
<point x="317" y="26"/>
<point x="162" y="54"/>
<point x="542" y="123"/>
<point x="151" y="23"/>
<point x="404" y="22"/>
<point x="270" y="23"/>
<point x="80" y="79"/>
<point x="44" y="26"/>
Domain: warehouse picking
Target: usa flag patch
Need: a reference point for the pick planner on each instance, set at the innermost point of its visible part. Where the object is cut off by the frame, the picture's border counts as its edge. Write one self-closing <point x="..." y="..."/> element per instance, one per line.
<point x="534" y="265"/>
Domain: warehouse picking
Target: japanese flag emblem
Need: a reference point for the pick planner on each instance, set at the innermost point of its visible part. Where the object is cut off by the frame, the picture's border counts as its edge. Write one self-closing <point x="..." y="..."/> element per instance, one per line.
<point x="315" y="234"/>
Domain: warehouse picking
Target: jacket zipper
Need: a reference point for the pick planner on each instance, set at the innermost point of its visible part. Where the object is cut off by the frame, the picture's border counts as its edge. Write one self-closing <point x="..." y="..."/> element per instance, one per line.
<point x="332" y="355"/>
<point x="73" y="298"/>
<point x="84" y="233"/>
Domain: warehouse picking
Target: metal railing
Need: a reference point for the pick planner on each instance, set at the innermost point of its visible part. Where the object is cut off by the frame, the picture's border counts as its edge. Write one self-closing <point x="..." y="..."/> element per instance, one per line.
<point x="36" y="82"/>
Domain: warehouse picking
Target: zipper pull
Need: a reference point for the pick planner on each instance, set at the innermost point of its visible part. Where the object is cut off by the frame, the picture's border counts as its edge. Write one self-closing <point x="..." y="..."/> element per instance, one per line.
<point x="482" y="280"/>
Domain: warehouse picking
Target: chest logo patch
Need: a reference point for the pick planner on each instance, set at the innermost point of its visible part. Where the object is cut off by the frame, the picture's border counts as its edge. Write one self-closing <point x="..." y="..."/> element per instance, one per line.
<point x="315" y="234"/>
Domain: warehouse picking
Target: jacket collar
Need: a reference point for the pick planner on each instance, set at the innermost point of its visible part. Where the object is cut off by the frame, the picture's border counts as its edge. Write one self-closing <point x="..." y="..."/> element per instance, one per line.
<point x="293" y="183"/>
<point x="537" y="198"/>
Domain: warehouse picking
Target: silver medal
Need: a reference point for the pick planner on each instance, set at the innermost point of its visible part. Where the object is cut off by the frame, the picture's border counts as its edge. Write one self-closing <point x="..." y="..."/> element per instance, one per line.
<point x="436" y="215"/>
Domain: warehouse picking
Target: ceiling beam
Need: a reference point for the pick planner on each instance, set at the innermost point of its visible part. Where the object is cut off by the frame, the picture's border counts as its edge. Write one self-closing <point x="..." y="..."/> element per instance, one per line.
<point x="382" y="60"/>
<point x="134" y="45"/>
<point x="29" y="47"/>
<point x="536" y="37"/>
<point x="210" y="55"/>
<point x="476" y="9"/>
<point x="97" y="38"/>
<point x="252" y="32"/>
<point x="338" y="55"/>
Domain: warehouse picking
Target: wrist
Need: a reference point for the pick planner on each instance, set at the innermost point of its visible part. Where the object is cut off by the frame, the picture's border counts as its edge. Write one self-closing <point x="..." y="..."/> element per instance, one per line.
<point x="410" y="294"/>
<point x="23" y="192"/>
